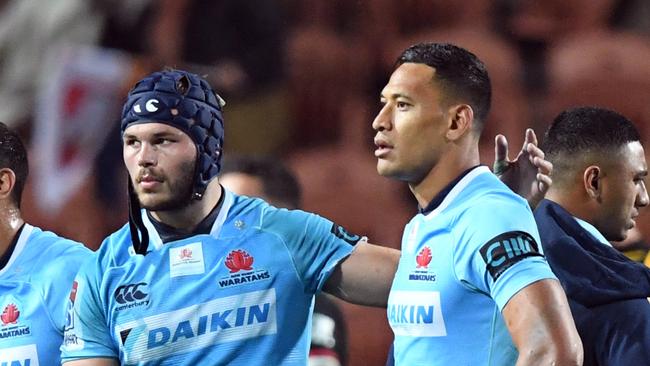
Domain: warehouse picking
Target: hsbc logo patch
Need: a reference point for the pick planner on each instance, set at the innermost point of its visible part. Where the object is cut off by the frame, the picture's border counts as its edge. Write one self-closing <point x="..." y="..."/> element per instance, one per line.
<point x="131" y="295"/>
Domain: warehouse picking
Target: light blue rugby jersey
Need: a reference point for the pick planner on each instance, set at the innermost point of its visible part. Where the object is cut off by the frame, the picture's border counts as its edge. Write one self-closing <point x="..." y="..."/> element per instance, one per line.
<point x="239" y="296"/>
<point x="460" y="264"/>
<point x="34" y="288"/>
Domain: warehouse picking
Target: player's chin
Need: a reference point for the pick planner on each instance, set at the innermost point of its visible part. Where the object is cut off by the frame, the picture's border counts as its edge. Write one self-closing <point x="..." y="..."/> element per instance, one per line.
<point x="385" y="168"/>
<point x="152" y="201"/>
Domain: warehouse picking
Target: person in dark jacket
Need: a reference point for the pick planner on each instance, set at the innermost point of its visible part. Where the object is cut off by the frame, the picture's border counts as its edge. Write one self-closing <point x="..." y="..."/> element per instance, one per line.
<point x="598" y="188"/>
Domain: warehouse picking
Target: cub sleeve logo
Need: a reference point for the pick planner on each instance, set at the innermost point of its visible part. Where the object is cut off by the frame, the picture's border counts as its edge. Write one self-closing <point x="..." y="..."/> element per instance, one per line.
<point x="343" y="234"/>
<point x="503" y="251"/>
<point x="130" y="293"/>
<point x="10" y="314"/>
<point x="239" y="260"/>
<point x="424" y="258"/>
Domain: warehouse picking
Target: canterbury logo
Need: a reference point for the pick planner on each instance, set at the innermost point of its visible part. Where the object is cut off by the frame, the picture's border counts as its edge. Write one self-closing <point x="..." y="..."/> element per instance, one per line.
<point x="150" y="106"/>
<point x="131" y="292"/>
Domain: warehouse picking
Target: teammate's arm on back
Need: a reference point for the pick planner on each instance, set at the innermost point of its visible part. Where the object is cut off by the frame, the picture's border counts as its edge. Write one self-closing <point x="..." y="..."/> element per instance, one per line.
<point x="540" y="323"/>
<point x="365" y="277"/>
<point x="93" y="362"/>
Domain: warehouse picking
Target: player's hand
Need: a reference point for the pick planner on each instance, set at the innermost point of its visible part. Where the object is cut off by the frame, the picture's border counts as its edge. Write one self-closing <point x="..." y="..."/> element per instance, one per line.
<point x="529" y="174"/>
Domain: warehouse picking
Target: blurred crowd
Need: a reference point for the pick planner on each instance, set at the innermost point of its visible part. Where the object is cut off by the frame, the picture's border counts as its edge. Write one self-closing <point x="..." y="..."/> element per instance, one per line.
<point x="301" y="79"/>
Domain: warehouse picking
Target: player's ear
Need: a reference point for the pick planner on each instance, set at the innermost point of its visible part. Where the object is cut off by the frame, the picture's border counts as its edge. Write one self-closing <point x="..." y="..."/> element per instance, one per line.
<point x="461" y="119"/>
<point x="7" y="182"/>
<point x="592" y="181"/>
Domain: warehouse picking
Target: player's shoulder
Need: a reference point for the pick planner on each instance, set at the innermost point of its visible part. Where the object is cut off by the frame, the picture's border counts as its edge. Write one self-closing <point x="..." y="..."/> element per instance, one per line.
<point x="487" y="195"/>
<point x="50" y="245"/>
<point x="52" y="259"/>
<point x="246" y="207"/>
<point x="115" y="248"/>
<point x="265" y="215"/>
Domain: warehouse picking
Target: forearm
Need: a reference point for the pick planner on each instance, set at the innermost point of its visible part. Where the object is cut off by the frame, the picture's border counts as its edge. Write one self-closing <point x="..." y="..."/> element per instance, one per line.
<point x="546" y="353"/>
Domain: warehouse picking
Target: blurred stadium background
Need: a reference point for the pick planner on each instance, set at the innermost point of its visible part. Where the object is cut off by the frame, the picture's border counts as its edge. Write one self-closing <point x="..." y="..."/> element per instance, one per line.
<point x="302" y="79"/>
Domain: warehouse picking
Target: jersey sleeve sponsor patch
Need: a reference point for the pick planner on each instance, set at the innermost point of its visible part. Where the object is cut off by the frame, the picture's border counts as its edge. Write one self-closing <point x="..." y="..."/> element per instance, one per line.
<point x="343" y="234"/>
<point x="504" y="250"/>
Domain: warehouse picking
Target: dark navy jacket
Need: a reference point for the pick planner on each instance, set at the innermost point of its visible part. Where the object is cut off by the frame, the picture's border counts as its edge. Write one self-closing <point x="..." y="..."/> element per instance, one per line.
<point x="607" y="292"/>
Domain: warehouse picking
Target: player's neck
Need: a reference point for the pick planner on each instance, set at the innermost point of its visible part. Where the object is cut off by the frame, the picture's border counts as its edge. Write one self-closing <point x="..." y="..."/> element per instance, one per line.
<point x="10" y="222"/>
<point x="574" y="202"/>
<point x="189" y="217"/>
<point x="448" y="168"/>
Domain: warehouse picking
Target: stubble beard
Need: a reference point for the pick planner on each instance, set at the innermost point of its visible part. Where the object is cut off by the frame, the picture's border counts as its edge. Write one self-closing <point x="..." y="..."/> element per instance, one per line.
<point x="181" y="192"/>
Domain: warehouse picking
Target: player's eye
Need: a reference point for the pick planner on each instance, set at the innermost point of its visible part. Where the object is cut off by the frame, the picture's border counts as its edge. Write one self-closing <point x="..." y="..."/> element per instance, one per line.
<point x="402" y="105"/>
<point x="130" y="142"/>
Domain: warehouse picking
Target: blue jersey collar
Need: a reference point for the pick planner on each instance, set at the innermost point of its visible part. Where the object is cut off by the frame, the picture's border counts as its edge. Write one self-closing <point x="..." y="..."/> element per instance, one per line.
<point x="437" y="200"/>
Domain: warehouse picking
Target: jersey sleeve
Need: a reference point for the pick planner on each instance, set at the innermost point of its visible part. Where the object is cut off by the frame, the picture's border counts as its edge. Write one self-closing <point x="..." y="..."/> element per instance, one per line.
<point x="86" y="332"/>
<point x="499" y="251"/>
<point x="315" y="244"/>
<point x="61" y="268"/>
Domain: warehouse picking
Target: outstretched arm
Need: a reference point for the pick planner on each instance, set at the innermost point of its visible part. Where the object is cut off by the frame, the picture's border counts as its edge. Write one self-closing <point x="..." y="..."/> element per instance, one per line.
<point x="528" y="174"/>
<point x="365" y="277"/>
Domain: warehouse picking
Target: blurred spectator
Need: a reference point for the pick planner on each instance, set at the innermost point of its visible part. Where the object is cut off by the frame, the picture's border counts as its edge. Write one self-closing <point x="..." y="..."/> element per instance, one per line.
<point x="30" y="30"/>
<point x="326" y="63"/>
<point x="377" y="207"/>
<point x="270" y="180"/>
<point x="603" y="68"/>
<point x="238" y="45"/>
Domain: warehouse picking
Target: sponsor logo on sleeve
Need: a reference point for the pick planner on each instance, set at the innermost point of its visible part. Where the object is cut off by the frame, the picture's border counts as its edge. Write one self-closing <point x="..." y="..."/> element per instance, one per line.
<point x="70" y="339"/>
<point x="343" y="234"/>
<point x="19" y="356"/>
<point x="200" y="326"/>
<point x="69" y="310"/>
<point x="240" y="265"/>
<point x="416" y="314"/>
<point x="504" y="250"/>
<point x="12" y="325"/>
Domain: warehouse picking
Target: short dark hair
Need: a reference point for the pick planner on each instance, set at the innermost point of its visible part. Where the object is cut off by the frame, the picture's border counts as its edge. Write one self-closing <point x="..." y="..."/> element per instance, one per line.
<point x="579" y="131"/>
<point x="279" y="184"/>
<point x="13" y="155"/>
<point x="461" y="75"/>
